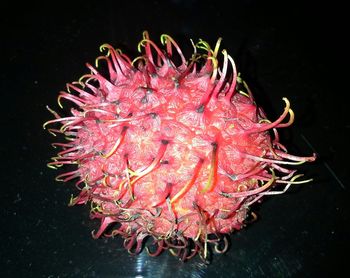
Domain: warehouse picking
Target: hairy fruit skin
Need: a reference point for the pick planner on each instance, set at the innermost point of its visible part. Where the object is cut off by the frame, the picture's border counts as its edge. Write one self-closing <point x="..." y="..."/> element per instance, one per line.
<point x="174" y="152"/>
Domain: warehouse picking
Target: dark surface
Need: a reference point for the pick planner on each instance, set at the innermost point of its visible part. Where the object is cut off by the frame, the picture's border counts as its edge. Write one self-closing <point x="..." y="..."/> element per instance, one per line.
<point x="282" y="50"/>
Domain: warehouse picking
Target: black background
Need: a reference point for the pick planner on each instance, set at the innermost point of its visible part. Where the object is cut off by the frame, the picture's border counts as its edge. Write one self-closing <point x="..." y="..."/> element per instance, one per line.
<point x="282" y="49"/>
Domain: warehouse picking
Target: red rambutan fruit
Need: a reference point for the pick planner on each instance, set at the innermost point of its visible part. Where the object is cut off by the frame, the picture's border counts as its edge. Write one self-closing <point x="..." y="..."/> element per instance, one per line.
<point x="177" y="153"/>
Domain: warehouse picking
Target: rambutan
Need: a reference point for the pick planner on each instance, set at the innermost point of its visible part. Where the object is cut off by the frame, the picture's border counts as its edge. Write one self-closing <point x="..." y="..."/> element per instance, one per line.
<point x="175" y="153"/>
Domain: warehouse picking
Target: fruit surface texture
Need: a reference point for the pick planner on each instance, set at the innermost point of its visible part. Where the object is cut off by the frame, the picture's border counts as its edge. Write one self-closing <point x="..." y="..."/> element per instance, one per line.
<point x="169" y="149"/>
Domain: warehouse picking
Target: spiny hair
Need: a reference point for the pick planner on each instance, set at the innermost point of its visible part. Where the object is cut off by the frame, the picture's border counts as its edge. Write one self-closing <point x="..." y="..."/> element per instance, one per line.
<point x="175" y="153"/>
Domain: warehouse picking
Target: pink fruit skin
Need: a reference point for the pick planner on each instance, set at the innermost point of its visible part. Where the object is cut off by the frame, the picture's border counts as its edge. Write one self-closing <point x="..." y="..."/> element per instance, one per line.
<point x="178" y="153"/>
